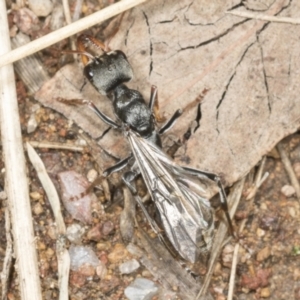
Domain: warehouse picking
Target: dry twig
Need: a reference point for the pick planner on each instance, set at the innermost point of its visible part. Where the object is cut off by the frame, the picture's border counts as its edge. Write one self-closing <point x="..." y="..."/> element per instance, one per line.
<point x="16" y="179"/>
<point x="258" y="182"/>
<point x="289" y="169"/>
<point x="77" y="10"/>
<point x="8" y="256"/>
<point x="65" y="32"/>
<point x="53" y="145"/>
<point x="61" y="251"/>
<point x="68" y="18"/>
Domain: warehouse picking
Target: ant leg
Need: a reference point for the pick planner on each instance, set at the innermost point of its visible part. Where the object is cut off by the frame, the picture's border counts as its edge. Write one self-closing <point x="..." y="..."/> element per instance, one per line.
<point x="222" y="195"/>
<point x="93" y="107"/>
<point x="153" y="97"/>
<point x="102" y="116"/>
<point x="170" y="122"/>
<point x="115" y="168"/>
<point x="128" y="179"/>
<point x="153" y="104"/>
<point x="118" y="166"/>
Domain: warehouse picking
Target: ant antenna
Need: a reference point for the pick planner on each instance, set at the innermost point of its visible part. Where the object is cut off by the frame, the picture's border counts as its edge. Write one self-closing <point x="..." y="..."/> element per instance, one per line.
<point x="85" y="53"/>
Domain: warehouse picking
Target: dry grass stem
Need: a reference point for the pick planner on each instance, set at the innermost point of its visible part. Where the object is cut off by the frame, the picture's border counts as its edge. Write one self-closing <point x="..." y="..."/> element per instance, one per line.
<point x="68" y="18"/>
<point x="49" y="188"/>
<point x="16" y="178"/>
<point x="67" y="31"/>
<point x="245" y="14"/>
<point x="233" y="201"/>
<point x="30" y="69"/>
<point x="67" y="11"/>
<point x="289" y="169"/>
<point x="5" y="274"/>
<point x="53" y="145"/>
<point x="258" y="181"/>
<point x="62" y="253"/>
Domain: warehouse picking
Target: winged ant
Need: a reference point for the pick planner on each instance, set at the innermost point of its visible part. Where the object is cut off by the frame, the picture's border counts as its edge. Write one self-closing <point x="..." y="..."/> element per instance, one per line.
<point x="186" y="216"/>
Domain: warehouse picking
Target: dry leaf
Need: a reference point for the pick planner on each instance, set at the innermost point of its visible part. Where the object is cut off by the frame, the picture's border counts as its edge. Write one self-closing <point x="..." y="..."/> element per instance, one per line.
<point x="249" y="67"/>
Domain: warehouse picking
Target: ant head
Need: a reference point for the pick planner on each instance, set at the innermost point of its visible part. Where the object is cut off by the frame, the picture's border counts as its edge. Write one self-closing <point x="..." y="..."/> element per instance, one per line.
<point x="107" y="71"/>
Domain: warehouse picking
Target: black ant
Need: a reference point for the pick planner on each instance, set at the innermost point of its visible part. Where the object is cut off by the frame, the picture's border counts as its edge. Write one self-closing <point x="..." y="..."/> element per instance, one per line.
<point x="187" y="217"/>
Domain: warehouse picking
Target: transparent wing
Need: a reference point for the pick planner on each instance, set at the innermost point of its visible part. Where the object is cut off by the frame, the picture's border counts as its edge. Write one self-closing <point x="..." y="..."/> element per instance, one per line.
<point x="187" y="217"/>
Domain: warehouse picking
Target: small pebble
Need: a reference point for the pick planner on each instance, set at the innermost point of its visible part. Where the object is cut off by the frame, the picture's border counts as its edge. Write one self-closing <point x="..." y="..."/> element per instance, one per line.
<point x="52" y="232"/>
<point x="218" y="290"/>
<point x="107" y="227"/>
<point x="129" y="266"/>
<point x="81" y="142"/>
<point x="94" y="233"/>
<point x="146" y="273"/>
<point x="43" y="267"/>
<point x="288" y="191"/>
<point x="265" y="292"/>
<point x="292" y="211"/>
<point x="104" y="246"/>
<point x="32" y="124"/>
<point x="227" y="254"/>
<point x="260" y="232"/>
<point x="263" y="254"/>
<point x="35" y="195"/>
<point x="82" y="255"/>
<point x="141" y="289"/>
<point x="38" y="209"/>
<point x="77" y="279"/>
<point x="74" y="233"/>
<point x="42" y="8"/>
<point x="101" y="270"/>
<point x="49" y="252"/>
<point x="218" y="269"/>
<point x="62" y="132"/>
<point x="103" y="258"/>
<point x="92" y="175"/>
<point x="35" y="107"/>
<point x="41" y="246"/>
<point x="72" y="184"/>
<point x="263" y="206"/>
<point x="118" y="253"/>
<point x="87" y="270"/>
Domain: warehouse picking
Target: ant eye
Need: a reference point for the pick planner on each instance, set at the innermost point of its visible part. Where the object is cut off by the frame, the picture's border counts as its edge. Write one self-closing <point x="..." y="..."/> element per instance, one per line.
<point x="88" y="72"/>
